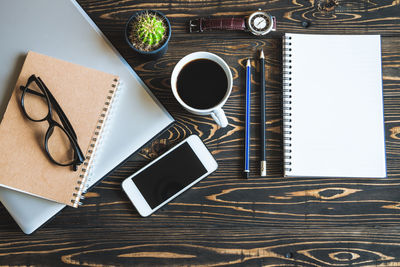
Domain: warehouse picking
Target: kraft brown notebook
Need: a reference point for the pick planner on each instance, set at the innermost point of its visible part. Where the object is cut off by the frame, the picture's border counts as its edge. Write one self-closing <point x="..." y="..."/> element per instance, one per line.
<point x="85" y="95"/>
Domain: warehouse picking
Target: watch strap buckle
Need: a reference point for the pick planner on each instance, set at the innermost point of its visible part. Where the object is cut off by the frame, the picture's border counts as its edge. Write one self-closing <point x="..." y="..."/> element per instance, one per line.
<point x="273" y="23"/>
<point x="195" y="25"/>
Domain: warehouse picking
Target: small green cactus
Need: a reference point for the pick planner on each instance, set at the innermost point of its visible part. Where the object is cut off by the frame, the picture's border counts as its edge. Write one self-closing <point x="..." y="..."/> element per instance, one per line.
<point x="148" y="31"/>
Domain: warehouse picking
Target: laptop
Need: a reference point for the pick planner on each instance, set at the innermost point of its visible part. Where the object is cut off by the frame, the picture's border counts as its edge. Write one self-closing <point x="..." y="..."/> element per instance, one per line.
<point x="63" y="30"/>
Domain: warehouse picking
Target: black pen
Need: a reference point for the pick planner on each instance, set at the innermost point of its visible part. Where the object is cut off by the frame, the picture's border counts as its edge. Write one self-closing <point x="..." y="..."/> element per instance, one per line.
<point x="263" y="161"/>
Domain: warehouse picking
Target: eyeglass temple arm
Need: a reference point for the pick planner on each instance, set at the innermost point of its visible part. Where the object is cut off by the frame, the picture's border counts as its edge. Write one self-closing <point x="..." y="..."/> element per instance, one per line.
<point x="31" y="91"/>
<point x="63" y="117"/>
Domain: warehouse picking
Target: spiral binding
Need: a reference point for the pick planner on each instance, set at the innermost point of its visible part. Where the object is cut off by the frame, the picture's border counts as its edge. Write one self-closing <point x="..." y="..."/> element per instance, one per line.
<point x="104" y="133"/>
<point x="287" y="102"/>
<point x="94" y="142"/>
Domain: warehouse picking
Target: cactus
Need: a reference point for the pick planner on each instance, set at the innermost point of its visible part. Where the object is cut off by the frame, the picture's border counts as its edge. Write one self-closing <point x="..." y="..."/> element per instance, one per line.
<point x="148" y="31"/>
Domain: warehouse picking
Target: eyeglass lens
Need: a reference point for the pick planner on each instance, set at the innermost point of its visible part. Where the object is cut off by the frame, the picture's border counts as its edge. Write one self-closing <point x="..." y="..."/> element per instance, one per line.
<point x="35" y="104"/>
<point x="59" y="146"/>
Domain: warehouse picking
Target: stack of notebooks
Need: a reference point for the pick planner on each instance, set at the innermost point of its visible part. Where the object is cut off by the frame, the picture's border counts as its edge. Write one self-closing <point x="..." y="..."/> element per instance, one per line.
<point x="65" y="33"/>
<point x="86" y="96"/>
<point x="333" y="106"/>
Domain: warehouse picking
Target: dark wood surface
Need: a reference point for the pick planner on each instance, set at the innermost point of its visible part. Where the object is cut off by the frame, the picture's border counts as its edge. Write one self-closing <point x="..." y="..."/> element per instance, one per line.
<point x="226" y="220"/>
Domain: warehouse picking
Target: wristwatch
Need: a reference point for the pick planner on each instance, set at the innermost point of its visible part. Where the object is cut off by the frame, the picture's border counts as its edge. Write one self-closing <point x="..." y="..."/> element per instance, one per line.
<point x="258" y="23"/>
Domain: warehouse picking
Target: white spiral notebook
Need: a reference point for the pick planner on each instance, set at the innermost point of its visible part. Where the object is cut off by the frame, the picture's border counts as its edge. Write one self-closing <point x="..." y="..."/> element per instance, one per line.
<point x="333" y="123"/>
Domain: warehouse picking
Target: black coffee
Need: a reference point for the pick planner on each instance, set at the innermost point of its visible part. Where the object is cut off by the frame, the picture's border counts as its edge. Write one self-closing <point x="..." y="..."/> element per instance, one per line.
<point x="202" y="84"/>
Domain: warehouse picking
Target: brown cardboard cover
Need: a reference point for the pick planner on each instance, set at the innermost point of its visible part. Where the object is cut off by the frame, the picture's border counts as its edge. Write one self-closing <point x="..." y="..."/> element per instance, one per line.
<point x="82" y="93"/>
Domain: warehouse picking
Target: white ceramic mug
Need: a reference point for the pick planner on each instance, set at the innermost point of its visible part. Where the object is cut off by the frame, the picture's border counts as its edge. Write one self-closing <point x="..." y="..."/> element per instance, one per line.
<point x="216" y="112"/>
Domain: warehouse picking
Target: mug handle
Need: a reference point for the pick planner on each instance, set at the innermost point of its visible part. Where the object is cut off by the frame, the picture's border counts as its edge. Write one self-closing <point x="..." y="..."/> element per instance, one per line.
<point x="219" y="116"/>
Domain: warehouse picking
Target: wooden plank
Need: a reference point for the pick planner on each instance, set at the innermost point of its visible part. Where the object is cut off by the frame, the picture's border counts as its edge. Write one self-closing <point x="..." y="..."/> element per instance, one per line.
<point x="357" y="16"/>
<point x="257" y="246"/>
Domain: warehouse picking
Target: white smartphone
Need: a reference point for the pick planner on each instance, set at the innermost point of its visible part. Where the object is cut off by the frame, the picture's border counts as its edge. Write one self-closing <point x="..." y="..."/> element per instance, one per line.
<point x="169" y="175"/>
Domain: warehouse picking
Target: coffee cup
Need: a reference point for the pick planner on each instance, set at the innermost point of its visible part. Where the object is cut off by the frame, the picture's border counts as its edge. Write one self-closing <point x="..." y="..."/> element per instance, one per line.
<point x="202" y="82"/>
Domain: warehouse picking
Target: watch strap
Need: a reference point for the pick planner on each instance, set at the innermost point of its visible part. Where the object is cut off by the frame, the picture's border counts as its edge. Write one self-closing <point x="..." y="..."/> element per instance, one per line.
<point x="209" y="24"/>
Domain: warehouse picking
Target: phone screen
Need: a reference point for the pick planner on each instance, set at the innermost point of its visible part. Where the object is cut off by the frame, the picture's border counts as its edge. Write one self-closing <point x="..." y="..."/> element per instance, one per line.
<point x="169" y="175"/>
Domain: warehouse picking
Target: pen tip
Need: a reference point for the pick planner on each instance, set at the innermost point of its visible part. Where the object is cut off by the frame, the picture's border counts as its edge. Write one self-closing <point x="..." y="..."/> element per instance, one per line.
<point x="262" y="54"/>
<point x="248" y="62"/>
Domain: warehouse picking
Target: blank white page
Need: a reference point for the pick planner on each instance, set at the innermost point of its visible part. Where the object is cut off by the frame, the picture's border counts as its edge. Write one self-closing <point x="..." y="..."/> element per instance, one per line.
<point x="337" y="124"/>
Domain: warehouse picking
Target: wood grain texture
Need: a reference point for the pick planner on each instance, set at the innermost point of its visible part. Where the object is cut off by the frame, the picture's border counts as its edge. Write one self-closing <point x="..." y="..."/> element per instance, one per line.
<point x="225" y="220"/>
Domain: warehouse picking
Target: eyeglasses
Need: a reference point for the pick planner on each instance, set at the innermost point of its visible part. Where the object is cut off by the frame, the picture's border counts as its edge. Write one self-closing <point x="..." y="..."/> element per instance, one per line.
<point x="60" y="142"/>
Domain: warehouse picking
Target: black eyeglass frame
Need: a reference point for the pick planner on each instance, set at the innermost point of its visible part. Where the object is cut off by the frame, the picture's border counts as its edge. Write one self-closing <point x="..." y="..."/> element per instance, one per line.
<point x="66" y="126"/>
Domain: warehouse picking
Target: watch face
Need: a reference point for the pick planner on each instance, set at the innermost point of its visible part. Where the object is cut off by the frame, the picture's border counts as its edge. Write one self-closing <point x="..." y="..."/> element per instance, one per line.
<point x="259" y="23"/>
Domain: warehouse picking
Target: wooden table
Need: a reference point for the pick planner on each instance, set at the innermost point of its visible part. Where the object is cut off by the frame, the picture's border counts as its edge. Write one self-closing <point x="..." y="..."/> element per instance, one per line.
<point x="225" y="219"/>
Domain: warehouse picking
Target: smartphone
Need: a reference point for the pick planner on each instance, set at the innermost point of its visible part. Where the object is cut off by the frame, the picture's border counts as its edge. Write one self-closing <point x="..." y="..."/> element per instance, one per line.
<point x="169" y="175"/>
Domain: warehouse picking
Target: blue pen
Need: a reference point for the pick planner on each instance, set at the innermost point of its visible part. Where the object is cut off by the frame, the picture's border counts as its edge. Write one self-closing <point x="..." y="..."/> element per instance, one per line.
<point x="247" y="131"/>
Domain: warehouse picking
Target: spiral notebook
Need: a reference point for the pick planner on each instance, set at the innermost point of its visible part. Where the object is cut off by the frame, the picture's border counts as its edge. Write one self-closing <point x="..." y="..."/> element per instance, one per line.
<point x="333" y="119"/>
<point x="85" y="95"/>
